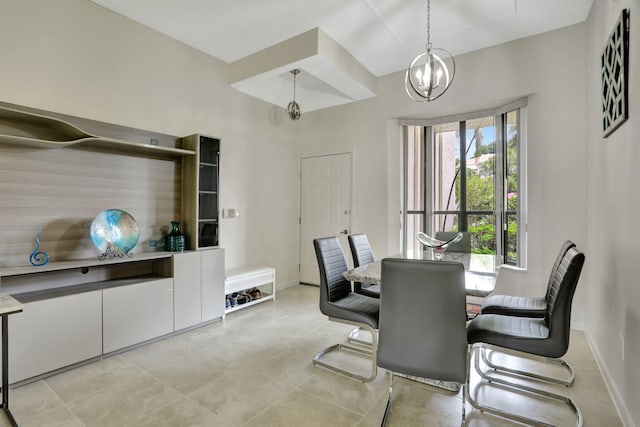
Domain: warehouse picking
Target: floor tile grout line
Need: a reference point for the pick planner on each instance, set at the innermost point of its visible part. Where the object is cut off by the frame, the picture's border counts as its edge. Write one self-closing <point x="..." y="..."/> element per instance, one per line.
<point x="101" y="389"/>
<point x="142" y="417"/>
<point x="328" y="401"/>
<point x="62" y="403"/>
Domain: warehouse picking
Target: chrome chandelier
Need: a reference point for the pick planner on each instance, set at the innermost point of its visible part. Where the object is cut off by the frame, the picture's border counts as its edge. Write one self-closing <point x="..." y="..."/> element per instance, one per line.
<point x="430" y="73"/>
<point x="294" y="111"/>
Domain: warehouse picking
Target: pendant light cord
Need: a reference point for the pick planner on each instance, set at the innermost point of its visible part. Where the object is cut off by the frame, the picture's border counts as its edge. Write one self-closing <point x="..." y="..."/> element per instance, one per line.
<point x="428" y="24"/>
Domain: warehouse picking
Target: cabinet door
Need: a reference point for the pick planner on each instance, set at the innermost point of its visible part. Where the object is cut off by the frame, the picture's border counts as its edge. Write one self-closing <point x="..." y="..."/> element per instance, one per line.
<point x="136" y="313"/>
<point x="54" y="333"/>
<point x="212" y="284"/>
<point x="187" y="293"/>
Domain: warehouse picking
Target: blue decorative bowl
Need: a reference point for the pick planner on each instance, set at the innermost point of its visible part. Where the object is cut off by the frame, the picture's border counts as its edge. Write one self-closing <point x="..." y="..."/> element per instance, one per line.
<point x="114" y="232"/>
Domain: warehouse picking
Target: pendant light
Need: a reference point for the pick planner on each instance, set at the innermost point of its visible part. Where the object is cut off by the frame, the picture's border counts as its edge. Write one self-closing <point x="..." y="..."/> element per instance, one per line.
<point x="430" y="73"/>
<point x="294" y="111"/>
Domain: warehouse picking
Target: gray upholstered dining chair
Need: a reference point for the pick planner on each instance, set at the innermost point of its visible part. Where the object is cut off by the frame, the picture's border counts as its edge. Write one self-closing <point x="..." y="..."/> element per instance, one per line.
<point x="546" y="337"/>
<point x="340" y="304"/>
<point x="525" y="306"/>
<point x="462" y="245"/>
<point x="362" y="254"/>
<point x="520" y="306"/>
<point x="422" y="328"/>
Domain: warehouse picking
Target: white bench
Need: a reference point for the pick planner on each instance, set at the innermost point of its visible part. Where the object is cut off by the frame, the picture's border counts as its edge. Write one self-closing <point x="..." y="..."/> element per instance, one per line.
<point x="244" y="278"/>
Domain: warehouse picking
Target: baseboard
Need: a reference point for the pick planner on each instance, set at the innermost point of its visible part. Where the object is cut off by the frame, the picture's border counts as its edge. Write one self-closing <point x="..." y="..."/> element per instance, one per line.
<point x="618" y="402"/>
<point x="579" y="326"/>
<point x="281" y="286"/>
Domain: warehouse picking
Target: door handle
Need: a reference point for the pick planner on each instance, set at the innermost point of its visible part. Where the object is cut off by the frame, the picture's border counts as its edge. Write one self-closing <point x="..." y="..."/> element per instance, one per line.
<point x="345" y="232"/>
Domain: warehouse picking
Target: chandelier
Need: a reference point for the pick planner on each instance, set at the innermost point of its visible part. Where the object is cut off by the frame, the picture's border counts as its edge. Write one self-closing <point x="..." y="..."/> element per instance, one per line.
<point x="294" y="111"/>
<point x="428" y="75"/>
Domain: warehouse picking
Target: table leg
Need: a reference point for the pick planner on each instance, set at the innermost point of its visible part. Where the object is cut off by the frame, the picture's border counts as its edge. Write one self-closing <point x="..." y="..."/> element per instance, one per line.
<point x="5" y="369"/>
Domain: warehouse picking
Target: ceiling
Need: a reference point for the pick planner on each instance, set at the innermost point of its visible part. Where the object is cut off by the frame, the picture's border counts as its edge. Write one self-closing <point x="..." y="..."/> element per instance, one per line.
<point x="341" y="46"/>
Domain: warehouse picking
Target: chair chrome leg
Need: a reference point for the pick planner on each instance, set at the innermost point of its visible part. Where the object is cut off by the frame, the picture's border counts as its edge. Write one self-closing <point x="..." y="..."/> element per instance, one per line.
<point x="566" y="399"/>
<point x="387" y="409"/>
<point x="464" y="404"/>
<point x="501" y="368"/>
<point x="369" y="351"/>
<point x="353" y="337"/>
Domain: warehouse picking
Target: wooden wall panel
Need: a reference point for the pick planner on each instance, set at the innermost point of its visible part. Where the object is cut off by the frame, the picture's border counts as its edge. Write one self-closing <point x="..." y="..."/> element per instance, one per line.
<point x="62" y="190"/>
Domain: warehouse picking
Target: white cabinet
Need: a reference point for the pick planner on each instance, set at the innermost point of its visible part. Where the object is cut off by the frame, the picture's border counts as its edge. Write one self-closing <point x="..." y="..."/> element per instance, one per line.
<point x="53" y="333"/>
<point x="82" y="309"/>
<point x="198" y="279"/>
<point x="136" y="313"/>
<point x="212" y="284"/>
<point x="187" y="292"/>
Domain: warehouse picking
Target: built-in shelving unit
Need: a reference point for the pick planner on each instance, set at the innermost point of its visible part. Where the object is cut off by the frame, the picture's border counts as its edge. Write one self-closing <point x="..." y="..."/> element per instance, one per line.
<point x="200" y="176"/>
<point x="82" y="309"/>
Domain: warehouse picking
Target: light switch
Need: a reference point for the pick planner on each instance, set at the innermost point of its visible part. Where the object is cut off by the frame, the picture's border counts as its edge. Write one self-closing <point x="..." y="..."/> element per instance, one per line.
<point x="230" y="213"/>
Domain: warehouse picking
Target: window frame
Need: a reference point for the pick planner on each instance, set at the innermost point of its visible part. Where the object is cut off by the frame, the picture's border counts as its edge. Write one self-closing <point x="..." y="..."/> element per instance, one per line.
<point x="500" y="177"/>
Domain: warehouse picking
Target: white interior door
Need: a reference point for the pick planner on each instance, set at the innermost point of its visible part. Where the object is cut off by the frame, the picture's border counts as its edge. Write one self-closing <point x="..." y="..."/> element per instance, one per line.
<point x="325" y="207"/>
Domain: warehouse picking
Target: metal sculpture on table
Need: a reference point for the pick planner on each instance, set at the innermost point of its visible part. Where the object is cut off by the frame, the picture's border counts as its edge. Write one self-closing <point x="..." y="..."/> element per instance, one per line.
<point x="438" y="246"/>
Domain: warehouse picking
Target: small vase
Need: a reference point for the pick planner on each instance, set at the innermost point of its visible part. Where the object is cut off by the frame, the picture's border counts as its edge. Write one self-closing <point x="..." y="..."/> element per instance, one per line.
<point x="174" y="242"/>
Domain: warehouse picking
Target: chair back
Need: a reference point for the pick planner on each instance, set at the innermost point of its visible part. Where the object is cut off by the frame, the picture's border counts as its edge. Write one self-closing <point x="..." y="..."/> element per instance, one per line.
<point x="332" y="263"/>
<point x="422" y="328"/>
<point x="563" y="250"/>
<point x="360" y="249"/>
<point x="464" y="245"/>
<point x="563" y="287"/>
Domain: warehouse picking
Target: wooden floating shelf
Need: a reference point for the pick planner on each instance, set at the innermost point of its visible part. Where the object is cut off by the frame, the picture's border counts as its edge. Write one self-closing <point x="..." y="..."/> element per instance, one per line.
<point x="35" y="130"/>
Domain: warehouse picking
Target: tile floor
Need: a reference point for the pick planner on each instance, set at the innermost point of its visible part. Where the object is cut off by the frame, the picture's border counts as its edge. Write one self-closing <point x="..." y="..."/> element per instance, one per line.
<point x="254" y="369"/>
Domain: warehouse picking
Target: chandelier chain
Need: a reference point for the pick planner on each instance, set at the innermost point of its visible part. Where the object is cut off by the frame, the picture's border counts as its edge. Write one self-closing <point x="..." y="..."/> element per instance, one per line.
<point x="428" y="24"/>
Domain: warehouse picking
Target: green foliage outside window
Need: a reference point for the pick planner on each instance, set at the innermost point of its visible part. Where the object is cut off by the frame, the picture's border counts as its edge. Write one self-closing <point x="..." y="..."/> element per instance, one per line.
<point x="480" y="196"/>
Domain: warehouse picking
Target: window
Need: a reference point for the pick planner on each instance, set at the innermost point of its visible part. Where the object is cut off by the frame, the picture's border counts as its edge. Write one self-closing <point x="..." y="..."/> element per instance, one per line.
<point x="466" y="175"/>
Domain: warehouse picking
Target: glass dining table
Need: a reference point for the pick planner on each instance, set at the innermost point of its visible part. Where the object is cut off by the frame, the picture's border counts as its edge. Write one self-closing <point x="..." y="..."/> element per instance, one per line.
<point x="480" y="271"/>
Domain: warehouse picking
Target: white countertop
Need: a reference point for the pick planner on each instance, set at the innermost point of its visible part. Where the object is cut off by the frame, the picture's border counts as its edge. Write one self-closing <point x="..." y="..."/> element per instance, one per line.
<point x="9" y="305"/>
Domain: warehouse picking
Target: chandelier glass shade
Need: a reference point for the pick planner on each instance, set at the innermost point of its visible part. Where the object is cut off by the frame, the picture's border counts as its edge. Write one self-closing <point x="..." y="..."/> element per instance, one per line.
<point x="430" y="73"/>
<point x="294" y="111"/>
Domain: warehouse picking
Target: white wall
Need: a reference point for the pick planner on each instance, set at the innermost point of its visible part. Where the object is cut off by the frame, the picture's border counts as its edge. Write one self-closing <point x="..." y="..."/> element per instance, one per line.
<point x="486" y="78"/>
<point x="74" y="57"/>
<point x="613" y="203"/>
